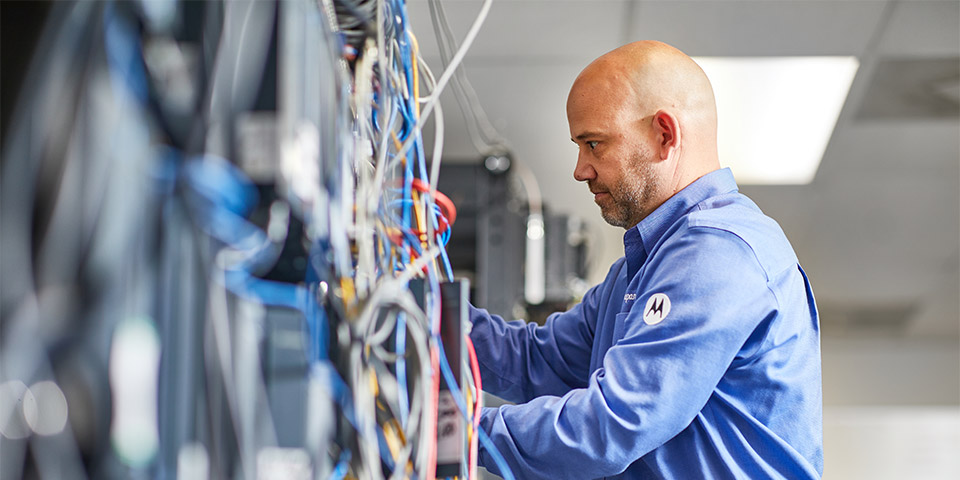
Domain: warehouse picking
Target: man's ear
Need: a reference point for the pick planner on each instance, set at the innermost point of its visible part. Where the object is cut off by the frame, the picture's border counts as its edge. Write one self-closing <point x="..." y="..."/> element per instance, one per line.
<point x="667" y="128"/>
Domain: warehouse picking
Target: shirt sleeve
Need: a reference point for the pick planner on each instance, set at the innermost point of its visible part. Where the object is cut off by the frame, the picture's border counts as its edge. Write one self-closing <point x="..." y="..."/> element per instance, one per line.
<point x="656" y="378"/>
<point x="520" y="361"/>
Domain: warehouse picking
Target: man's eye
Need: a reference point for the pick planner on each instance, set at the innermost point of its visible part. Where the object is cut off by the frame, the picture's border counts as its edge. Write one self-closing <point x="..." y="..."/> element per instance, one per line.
<point x="592" y="144"/>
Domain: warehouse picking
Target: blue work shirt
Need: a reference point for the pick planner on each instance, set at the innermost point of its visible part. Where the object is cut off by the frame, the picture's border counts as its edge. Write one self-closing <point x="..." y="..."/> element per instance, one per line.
<point x="697" y="357"/>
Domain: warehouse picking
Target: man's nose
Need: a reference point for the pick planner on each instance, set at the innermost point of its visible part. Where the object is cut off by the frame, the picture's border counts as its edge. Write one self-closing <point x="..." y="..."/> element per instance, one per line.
<point x="584" y="170"/>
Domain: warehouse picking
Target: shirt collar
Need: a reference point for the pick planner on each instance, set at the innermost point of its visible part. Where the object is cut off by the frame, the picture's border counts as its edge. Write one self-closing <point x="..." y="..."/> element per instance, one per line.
<point x="640" y="240"/>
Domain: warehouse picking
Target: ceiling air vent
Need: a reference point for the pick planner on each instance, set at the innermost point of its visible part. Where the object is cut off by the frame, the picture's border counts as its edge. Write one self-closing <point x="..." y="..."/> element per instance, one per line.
<point x="911" y="89"/>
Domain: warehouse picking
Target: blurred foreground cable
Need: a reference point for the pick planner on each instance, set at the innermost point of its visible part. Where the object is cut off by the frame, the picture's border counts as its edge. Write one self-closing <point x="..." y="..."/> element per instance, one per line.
<point x="213" y="216"/>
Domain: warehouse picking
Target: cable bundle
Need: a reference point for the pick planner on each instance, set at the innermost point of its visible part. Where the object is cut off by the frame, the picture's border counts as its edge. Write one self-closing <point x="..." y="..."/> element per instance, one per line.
<point x="388" y="342"/>
<point x="135" y="227"/>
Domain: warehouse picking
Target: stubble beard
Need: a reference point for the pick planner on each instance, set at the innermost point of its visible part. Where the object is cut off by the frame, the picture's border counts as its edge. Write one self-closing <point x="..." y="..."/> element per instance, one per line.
<point x="631" y="197"/>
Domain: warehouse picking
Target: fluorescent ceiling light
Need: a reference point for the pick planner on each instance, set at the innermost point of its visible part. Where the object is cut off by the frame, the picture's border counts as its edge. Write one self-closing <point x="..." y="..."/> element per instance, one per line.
<point x="776" y="114"/>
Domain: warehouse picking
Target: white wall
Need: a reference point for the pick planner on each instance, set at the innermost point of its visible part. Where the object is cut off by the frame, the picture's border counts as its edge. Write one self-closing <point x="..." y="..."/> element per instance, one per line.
<point x="895" y="443"/>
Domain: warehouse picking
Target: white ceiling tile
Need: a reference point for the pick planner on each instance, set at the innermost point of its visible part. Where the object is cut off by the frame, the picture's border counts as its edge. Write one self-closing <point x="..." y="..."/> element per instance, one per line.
<point x="525" y="102"/>
<point x="759" y="27"/>
<point x="899" y="147"/>
<point x="531" y="30"/>
<point x="878" y="235"/>
<point x="923" y="28"/>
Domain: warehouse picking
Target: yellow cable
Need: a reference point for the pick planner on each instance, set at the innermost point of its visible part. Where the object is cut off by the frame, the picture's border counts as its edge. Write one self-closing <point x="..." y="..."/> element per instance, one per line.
<point x="374" y="384"/>
<point x="418" y="213"/>
<point x="469" y="415"/>
<point x="393" y="434"/>
<point x="396" y="141"/>
<point x="347" y="292"/>
<point x="416" y="109"/>
<point x="416" y="77"/>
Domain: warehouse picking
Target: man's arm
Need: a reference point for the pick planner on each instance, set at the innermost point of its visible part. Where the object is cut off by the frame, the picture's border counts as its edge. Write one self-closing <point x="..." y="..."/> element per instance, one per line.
<point x="520" y="361"/>
<point x="655" y="379"/>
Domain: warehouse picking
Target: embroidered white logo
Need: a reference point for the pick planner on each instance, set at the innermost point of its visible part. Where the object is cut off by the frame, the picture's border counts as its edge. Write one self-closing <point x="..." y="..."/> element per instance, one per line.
<point x="629" y="297"/>
<point x="658" y="306"/>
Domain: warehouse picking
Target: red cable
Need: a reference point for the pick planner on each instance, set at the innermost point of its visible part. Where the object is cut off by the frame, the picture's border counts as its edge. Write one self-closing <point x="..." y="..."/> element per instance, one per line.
<point x="478" y="405"/>
<point x="475" y="367"/>
<point x="444" y="202"/>
<point x="435" y="407"/>
<point x="449" y="209"/>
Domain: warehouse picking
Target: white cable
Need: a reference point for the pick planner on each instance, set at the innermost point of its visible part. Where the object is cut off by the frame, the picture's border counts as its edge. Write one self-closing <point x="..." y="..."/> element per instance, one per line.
<point x="364" y="408"/>
<point x="364" y="232"/>
<point x="485" y="137"/>
<point x="437" y="152"/>
<point x="534" y="278"/>
<point x="451" y="68"/>
<point x="530" y="185"/>
<point x="415" y="268"/>
<point x="435" y="172"/>
<point x="217" y="316"/>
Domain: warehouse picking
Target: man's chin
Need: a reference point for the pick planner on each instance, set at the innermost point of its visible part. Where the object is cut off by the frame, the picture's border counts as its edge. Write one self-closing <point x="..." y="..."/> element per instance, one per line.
<point x="614" y="220"/>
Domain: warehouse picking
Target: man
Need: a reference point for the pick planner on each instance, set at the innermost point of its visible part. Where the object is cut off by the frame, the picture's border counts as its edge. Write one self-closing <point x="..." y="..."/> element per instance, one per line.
<point x="698" y="356"/>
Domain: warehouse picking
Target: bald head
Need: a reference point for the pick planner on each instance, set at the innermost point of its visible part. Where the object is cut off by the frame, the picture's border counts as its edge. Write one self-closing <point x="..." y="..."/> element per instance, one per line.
<point x="661" y="74"/>
<point x="651" y="107"/>
<point x="653" y="76"/>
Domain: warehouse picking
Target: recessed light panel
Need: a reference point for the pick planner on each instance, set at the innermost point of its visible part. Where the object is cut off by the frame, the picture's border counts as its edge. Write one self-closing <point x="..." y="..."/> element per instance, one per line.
<point x="776" y="114"/>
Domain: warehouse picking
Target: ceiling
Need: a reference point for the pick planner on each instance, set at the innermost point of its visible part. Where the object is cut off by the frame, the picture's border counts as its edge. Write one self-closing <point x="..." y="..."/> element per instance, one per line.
<point x="878" y="230"/>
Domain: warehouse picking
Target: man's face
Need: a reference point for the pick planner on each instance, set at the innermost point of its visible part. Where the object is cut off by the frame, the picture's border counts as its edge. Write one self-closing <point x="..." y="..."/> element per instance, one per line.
<point x="623" y="197"/>
<point x="615" y="156"/>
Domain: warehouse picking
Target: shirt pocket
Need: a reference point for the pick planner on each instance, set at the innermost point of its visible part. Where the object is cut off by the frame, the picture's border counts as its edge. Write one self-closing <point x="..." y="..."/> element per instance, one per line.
<point x="619" y="326"/>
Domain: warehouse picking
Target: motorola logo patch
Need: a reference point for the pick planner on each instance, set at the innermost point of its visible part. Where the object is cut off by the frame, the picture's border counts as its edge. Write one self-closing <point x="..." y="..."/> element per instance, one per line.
<point x="658" y="306"/>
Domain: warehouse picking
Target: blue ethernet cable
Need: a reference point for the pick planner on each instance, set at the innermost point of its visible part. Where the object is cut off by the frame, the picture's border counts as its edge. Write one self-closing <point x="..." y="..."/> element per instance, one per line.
<point x="461" y="404"/>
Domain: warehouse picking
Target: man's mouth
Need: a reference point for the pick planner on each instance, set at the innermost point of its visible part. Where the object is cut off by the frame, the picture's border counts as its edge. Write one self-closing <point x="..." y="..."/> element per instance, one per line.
<point x="598" y="193"/>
